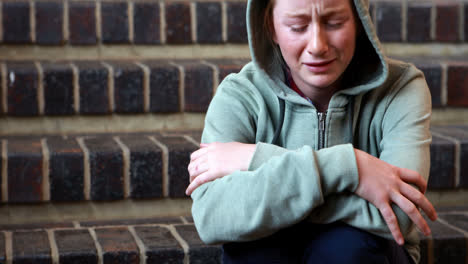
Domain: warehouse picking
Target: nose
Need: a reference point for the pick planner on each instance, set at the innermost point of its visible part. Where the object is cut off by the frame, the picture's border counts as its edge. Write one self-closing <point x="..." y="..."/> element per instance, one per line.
<point x="318" y="43"/>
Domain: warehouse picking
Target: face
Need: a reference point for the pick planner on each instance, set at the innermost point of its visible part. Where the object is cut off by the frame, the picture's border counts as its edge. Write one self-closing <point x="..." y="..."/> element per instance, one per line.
<point x="316" y="39"/>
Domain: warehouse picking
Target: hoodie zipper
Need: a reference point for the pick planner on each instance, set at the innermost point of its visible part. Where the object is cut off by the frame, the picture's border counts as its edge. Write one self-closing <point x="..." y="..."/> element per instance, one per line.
<point x="322" y="116"/>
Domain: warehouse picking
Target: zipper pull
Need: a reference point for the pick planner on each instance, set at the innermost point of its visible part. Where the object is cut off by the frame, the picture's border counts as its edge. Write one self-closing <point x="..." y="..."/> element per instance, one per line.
<point x="322" y="117"/>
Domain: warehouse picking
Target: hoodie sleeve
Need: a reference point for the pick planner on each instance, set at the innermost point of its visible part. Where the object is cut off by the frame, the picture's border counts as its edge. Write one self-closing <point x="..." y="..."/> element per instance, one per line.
<point x="405" y="143"/>
<point x="282" y="186"/>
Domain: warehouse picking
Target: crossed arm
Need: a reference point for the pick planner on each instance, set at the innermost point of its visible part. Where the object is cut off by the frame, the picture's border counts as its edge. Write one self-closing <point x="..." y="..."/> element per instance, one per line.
<point x="380" y="183"/>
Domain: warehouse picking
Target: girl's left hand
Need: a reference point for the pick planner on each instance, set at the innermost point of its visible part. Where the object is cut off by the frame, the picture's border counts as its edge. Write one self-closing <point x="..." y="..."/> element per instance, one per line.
<point x="217" y="160"/>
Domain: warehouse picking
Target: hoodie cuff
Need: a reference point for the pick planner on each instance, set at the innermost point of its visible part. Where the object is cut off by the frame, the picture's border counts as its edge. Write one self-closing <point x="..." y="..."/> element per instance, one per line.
<point x="264" y="152"/>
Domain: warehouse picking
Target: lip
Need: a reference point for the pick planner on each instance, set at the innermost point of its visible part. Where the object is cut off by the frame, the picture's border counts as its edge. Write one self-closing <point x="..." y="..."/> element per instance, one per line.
<point x="319" y="66"/>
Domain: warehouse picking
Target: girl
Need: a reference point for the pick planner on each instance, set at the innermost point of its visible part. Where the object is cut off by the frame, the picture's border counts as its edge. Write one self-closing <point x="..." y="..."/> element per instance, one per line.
<point x="318" y="150"/>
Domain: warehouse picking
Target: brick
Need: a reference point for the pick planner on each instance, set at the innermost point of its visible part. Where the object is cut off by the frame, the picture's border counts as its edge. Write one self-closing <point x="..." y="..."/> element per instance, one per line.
<point x="178" y="23"/>
<point x="106" y="166"/>
<point x="82" y="22"/>
<point x="146" y="23"/>
<point x="49" y="23"/>
<point x="164" y="87"/>
<point x="75" y="246"/>
<point x="16" y="22"/>
<point x="433" y="74"/>
<point x="423" y="248"/>
<point x="419" y="22"/>
<point x="23" y="227"/>
<point x="58" y="89"/>
<point x="128" y="88"/>
<point x="199" y="252"/>
<point x="236" y="22"/>
<point x="389" y="21"/>
<point x="24" y="170"/>
<point x="146" y="167"/>
<point x="442" y="174"/>
<point x="114" y="17"/>
<point x="226" y="67"/>
<point x="2" y="248"/>
<point x="457" y="81"/>
<point x="118" y="245"/>
<point x="161" y="246"/>
<point x="66" y="170"/>
<point x="31" y="247"/>
<point x="461" y="135"/>
<point x="179" y="158"/>
<point x="94" y="90"/>
<point x="209" y="22"/>
<point x="449" y="246"/>
<point x="138" y="221"/>
<point x="198" y="86"/>
<point x="22" y="87"/>
<point x="457" y="220"/>
<point x="447" y="23"/>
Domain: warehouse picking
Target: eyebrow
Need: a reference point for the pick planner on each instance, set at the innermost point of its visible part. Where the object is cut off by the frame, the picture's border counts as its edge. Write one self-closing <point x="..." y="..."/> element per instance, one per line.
<point x="327" y="12"/>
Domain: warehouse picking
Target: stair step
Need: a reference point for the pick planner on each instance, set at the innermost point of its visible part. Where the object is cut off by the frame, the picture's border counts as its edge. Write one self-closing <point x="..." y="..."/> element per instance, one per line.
<point x="118" y="166"/>
<point x="89" y="88"/>
<point x="217" y="22"/>
<point x="175" y="240"/>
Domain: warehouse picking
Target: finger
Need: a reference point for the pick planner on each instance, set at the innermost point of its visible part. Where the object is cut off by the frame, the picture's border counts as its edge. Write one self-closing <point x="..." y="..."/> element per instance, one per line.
<point x="411" y="176"/>
<point x="195" y="163"/>
<point x="418" y="199"/>
<point x="198" y="153"/>
<point x="392" y="223"/>
<point x="204" y="145"/>
<point x="412" y="211"/>
<point x="198" y="169"/>
<point x="201" y="179"/>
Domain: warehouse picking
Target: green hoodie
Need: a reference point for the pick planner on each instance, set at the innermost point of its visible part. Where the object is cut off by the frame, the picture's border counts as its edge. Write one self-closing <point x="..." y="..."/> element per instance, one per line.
<point x="384" y="110"/>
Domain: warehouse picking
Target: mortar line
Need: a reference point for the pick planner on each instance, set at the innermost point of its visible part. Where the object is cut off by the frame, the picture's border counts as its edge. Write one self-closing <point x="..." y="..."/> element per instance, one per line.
<point x="92" y="232"/>
<point x="76" y="224"/>
<point x="140" y="244"/>
<point x="182" y="243"/>
<point x="465" y="233"/>
<point x="76" y="87"/>
<point x="45" y="170"/>
<point x="165" y="178"/>
<point x="404" y="20"/>
<point x="4" y="87"/>
<point x="4" y="170"/>
<point x="40" y="88"/>
<point x="181" y="86"/>
<point x="32" y="20"/>
<point x="444" y="87"/>
<point x="224" y="20"/>
<point x="66" y="23"/>
<point x="457" y="154"/>
<point x="215" y="74"/>
<point x="126" y="165"/>
<point x="184" y="221"/>
<point x="8" y="246"/>
<point x="146" y="86"/>
<point x="162" y="22"/>
<point x="131" y="28"/>
<point x="193" y="21"/>
<point x="86" y="168"/>
<point x="110" y="86"/>
<point x="53" y="246"/>
<point x="192" y="140"/>
<point x="98" y="22"/>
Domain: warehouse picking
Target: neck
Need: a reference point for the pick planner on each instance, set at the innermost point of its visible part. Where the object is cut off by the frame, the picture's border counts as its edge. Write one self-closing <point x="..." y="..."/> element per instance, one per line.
<point x="320" y="96"/>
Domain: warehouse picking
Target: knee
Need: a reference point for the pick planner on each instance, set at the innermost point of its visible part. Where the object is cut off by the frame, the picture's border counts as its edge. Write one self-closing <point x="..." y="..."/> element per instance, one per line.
<point x="345" y="244"/>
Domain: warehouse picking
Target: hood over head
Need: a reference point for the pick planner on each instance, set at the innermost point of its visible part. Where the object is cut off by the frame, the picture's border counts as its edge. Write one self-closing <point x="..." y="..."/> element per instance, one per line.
<point x="367" y="70"/>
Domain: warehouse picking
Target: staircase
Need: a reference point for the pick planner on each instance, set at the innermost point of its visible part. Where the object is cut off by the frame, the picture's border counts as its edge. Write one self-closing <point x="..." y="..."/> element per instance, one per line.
<point x="102" y="102"/>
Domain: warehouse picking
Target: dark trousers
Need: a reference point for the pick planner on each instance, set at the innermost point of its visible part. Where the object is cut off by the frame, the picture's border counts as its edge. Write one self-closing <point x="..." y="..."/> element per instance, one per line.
<point x="315" y="243"/>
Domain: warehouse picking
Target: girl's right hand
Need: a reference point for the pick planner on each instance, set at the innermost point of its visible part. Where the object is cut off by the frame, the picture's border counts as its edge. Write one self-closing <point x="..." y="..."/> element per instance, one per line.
<point x="381" y="184"/>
